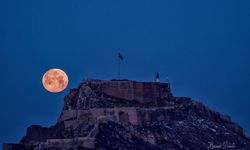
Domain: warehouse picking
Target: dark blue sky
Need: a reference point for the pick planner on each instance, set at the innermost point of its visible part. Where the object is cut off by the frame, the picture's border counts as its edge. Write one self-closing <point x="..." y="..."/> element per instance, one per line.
<point x="202" y="47"/>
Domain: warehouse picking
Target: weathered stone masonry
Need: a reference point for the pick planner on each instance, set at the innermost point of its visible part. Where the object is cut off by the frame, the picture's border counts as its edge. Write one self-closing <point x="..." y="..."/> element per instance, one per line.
<point x="142" y="92"/>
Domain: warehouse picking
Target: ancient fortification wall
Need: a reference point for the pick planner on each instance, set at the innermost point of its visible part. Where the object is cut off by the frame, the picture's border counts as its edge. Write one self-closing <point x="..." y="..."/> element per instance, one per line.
<point x="118" y="114"/>
<point x="142" y="92"/>
<point x="133" y="115"/>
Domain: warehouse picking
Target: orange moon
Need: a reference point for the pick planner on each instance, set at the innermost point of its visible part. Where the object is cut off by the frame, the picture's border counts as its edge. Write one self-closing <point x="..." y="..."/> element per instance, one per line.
<point x="55" y="80"/>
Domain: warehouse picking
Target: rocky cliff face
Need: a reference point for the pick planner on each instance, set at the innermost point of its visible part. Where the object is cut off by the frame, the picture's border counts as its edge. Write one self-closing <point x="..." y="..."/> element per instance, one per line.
<point x="98" y="115"/>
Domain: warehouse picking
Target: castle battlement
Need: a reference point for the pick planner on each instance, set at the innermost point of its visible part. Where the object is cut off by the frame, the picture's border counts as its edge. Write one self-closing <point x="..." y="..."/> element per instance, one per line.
<point x="142" y="92"/>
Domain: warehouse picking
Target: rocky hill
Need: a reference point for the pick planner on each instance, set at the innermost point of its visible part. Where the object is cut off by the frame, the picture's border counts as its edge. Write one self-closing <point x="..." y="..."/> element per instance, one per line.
<point x="129" y="115"/>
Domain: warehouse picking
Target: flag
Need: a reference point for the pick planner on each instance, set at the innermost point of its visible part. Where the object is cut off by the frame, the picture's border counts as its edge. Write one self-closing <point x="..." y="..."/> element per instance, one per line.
<point x="120" y="56"/>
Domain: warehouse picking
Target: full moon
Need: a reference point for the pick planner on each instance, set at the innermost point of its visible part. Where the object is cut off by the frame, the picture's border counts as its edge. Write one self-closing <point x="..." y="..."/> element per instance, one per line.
<point x="55" y="80"/>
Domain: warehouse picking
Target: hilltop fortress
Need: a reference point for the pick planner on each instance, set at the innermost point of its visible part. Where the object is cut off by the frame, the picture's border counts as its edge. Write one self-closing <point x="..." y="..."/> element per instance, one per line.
<point x="130" y="115"/>
<point x="120" y="100"/>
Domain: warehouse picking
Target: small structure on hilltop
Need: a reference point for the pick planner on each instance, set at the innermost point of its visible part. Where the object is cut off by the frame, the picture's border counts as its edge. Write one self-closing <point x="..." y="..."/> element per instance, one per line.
<point x="157" y="78"/>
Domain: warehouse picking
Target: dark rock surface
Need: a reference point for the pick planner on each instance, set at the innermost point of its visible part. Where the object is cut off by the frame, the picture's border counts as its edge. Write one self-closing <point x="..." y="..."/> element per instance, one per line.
<point x="93" y="119"/>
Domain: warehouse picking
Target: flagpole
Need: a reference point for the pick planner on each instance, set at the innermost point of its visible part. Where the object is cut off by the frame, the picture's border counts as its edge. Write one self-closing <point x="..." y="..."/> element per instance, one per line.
<point x="119" y="63"/>
<point x="120" y="58"/>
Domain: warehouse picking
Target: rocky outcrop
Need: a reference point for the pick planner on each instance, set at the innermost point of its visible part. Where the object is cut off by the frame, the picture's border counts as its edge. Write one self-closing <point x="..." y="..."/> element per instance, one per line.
<point x="97" y="115"/>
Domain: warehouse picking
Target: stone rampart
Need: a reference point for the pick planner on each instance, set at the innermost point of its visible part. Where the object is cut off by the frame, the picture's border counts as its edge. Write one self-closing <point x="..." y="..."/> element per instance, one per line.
<point x="142" y="92"/>
<point x="118" y="114"/>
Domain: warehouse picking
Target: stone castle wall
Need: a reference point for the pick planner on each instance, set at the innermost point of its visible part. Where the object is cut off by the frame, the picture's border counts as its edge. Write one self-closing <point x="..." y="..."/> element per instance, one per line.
<point x="133" y="115"/>
<point x="70" y="117"/>
<point x="86" y="142"/>
<point x="142" y="92"/>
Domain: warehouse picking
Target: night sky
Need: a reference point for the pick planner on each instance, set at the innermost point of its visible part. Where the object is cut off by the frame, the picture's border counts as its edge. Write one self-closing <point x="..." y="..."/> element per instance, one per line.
<point x="201" y="47"/>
